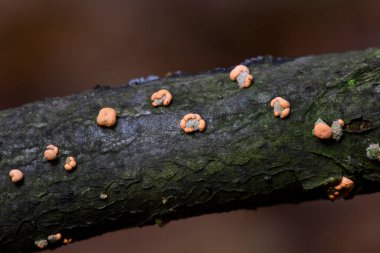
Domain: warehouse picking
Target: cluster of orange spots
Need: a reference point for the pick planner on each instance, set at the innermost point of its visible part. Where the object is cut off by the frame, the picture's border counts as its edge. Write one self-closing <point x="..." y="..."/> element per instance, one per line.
<point x="51" y="152"/>
<point x="161" y="97"/>
<point x="342" y="189"/>
<point x="324" y="132"/>
<point x="281" y="107"/>
<point x="70" y="163"/>
<point x="192" y="122"/>
<point x="241" y="74"/>
<point x="106" y="117"/>
<point x="16" y="175"/>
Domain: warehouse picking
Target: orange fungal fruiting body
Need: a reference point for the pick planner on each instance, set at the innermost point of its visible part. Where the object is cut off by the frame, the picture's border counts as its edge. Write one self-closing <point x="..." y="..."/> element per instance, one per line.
<point x="106" y="117"/>
<point x="67" y="240"/>
<point x="341" y="122"/>
<point x="55" y="238"/>
<point x="344" y="188"/>
<point x="161" y="97"/>
<point x="51" y="152"/>
<point x="322" y="130"/>
<point x="70" y="163"/>
<point x="281" y="107"/>
<point x="192" y="122"/>
<point x="16" y="175"/>
<point x="241" y="74"/>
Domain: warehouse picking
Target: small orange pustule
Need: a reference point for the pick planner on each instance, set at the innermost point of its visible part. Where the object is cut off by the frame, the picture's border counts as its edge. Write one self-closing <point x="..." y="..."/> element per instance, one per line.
<point x="67" y="240"/>
<point x="161" y="97"/>
<point x="344" y="188"/>
<point x="235" y="72"/>
<point x="16" y="175"/>
<point x="241" y="74"/>
<point x="106" y="117"/>
<point x="51" y="152"/>
<point x="70" y="163"/>
<point x="55" y="238"/>
<point x="281" y="107"/>
<point x="322" y="131"/>
<point x="341" y="122"/>
<point x="192" y="122"/>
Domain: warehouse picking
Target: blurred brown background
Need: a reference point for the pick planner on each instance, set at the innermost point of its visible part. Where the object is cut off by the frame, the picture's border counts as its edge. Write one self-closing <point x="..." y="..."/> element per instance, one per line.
<point x="55" y="48"/>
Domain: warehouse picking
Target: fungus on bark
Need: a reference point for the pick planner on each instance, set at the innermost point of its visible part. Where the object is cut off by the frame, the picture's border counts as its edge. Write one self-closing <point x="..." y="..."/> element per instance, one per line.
<point x="281" y="107"/>
<point x="322" y="130"/>
<point x="51" y="152"/>
<point x="343" y="189"/>
<point x="161" y="97"/>
<point x="241" y="74"/>
<point x="70" y="163"/>
<point x="106" y="117"/>
<point x="192" y="122"/>
<point x="54" y="238"/>
<point x="16" y="175"/>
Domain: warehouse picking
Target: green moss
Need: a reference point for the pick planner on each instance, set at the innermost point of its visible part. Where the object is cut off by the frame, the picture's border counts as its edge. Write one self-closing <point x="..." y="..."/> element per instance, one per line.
<point x="351" y="83"/>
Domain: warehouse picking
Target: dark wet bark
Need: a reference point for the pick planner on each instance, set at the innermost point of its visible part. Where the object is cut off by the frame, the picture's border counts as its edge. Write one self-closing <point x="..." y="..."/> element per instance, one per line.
<point x="153" y="173"/>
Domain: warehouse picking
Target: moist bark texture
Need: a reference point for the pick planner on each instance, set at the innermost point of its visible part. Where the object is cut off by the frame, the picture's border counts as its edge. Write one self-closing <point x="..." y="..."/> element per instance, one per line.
<point x="152" y="172"/>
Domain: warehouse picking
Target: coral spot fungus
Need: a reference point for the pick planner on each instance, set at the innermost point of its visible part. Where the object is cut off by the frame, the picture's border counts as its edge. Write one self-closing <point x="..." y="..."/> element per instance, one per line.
<point x="281" y="107"/>
<point x="322" y="130"/>
<point x="241" y="74"/>
<point x="342" y="189"/>
<point x="51" y="152"/>
<point x="70" y="163"/>
<point x="16" y="175"/>
<point x="192" y="122"/>
<point x="106" y="117"/>
<point x="55" y="238"/>
<point x="161" y="97"/>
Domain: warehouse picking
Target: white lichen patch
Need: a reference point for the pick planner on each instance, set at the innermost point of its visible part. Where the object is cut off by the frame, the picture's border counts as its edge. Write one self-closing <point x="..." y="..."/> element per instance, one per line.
<point x="192" y="123"/>
<point x="373" y="152"/>
<point x="41" y="243"/>
<point x="337" y="130"/>
<point x="241" y="78"/>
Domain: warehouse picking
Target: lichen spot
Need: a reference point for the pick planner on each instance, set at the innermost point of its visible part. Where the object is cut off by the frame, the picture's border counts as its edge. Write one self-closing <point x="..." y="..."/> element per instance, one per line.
<point x="373" y="152"/>
<point x="51" y="153"/>
<point x="281" y="107"/>
<point x="161" y="97"/>
<point x="337" y="129"/>
<point x="192" y="122"/>
<point x="41" y="243"/>
<point x="103" y="196"/>
<point x="241" y="74"/>
<point x="107" y="117"/>
<point x="343" y="189"/>
<point x="70" y="163"/>
<point x="16" y="175"/>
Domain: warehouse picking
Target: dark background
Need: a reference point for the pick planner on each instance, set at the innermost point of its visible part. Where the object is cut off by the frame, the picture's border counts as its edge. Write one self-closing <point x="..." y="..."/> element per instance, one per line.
<point x="56" y="48"/>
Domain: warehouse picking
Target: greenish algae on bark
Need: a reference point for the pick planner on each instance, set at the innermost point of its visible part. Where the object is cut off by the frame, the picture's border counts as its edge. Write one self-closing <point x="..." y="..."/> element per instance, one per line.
<point x="246" y="158"/>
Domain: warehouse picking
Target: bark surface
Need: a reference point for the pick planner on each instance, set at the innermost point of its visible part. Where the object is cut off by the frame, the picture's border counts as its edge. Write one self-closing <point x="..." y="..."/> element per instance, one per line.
<point x="152" y="172"/>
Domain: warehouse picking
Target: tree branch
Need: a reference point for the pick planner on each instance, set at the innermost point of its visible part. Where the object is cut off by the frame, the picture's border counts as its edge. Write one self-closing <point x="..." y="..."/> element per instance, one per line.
<point x="152" y="172"/>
